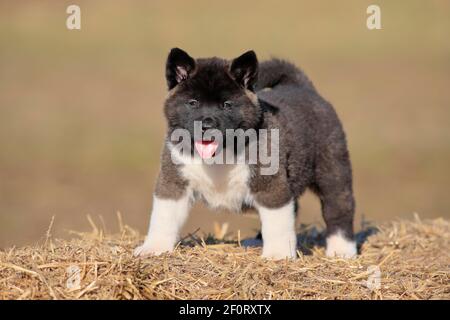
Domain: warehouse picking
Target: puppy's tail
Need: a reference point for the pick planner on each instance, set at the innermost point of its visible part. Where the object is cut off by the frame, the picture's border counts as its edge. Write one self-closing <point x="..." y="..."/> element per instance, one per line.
<point x="277" y="72"/>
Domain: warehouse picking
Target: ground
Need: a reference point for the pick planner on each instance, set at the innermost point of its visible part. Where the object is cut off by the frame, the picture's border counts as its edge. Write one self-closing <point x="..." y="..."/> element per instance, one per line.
<point x="398" y="260"/>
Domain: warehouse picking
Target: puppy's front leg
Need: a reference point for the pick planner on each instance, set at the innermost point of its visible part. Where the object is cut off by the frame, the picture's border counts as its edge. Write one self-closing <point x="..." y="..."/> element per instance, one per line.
<point x="278" y="231"/>
<point x="168" y="216"/>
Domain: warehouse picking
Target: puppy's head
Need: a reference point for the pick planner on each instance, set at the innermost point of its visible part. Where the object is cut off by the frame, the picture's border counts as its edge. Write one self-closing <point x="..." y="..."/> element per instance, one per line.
<point x="216" y="92"/>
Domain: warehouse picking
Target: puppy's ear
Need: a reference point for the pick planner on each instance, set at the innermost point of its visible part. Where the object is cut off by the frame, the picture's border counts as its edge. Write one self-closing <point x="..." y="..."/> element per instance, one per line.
<point x="244" y="70"/>
<point x="179" y="67"/>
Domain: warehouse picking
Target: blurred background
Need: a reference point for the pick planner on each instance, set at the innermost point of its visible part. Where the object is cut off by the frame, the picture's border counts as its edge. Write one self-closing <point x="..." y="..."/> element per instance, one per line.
<point x="81" y="124"/>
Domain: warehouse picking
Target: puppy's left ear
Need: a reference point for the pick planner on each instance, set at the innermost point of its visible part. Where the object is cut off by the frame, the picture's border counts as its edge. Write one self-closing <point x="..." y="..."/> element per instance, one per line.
<point x="244" y="70"/>
<point x="179" y="67"/>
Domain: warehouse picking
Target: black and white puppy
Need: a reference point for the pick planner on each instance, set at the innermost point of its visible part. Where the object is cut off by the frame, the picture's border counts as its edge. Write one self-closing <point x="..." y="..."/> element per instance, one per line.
<point x="312" y="153"/>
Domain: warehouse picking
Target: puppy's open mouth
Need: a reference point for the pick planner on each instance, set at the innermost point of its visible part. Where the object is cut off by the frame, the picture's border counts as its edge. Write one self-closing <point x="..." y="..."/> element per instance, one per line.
<point x="206" y="148"/>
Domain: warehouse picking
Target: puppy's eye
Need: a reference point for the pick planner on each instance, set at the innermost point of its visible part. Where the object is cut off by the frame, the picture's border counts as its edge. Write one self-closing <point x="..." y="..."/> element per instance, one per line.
<point x="192" y="103"/>
<point x="228" y="104"/>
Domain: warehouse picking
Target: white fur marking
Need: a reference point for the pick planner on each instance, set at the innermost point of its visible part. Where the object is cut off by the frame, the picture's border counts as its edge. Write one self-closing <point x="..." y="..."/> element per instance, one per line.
<point x="168" y="216"/>
<point x="338" y="245"/>
<point x="220" y="185"/>
<point x="278" y="231"/>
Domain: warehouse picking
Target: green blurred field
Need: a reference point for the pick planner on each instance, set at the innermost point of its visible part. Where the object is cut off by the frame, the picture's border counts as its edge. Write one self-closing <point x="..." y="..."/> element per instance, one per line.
<point x="81" y="121"/>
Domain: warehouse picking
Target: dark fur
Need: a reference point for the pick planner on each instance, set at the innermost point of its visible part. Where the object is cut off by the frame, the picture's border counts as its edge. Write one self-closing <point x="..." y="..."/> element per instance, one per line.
<point x="313" y="150"/>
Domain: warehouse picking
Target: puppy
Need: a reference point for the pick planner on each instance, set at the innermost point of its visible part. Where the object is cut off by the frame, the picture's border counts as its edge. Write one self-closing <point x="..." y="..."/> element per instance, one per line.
<point x="307" y="145"/>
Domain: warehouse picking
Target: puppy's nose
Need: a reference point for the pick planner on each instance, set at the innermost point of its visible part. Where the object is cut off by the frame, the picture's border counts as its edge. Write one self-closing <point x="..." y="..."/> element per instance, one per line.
<point x="208" y="123"/>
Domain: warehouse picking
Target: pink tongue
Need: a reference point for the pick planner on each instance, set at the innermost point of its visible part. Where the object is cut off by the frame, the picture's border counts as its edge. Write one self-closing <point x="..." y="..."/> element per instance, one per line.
<point x="206" y="149"/>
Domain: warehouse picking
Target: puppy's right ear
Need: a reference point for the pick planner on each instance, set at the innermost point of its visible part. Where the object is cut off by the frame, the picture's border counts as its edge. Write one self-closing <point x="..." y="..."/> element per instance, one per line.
<point x="179" y="67"/>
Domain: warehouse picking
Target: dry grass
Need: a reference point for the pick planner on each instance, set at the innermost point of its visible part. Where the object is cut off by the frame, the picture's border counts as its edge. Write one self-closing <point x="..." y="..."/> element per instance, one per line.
<point x="413" y="257"/>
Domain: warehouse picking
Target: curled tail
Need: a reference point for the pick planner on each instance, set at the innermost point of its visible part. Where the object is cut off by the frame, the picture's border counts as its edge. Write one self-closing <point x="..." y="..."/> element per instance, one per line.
<point x="277" y="72"/>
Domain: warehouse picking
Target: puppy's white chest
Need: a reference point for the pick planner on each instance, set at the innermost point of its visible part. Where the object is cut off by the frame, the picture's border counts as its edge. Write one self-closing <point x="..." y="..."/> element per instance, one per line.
<point x="221" y="186"/>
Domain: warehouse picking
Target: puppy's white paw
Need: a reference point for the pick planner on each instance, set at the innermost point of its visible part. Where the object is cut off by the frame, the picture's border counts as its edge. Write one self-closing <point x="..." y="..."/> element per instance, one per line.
<point x="278" y="232"/>
<point x="339" y="246"/>
<point x="278" y="255"/>
<point x="278" y="249"/>
<point x="152" y="248"/>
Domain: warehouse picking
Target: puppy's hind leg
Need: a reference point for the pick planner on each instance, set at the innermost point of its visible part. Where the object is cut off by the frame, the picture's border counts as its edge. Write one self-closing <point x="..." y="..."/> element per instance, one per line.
<point x="337" y="210"/>
<point x="334" y="188"/>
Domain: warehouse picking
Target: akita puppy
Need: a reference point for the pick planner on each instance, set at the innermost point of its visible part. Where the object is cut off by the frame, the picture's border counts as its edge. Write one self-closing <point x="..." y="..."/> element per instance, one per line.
<point x="230" y="99"/>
